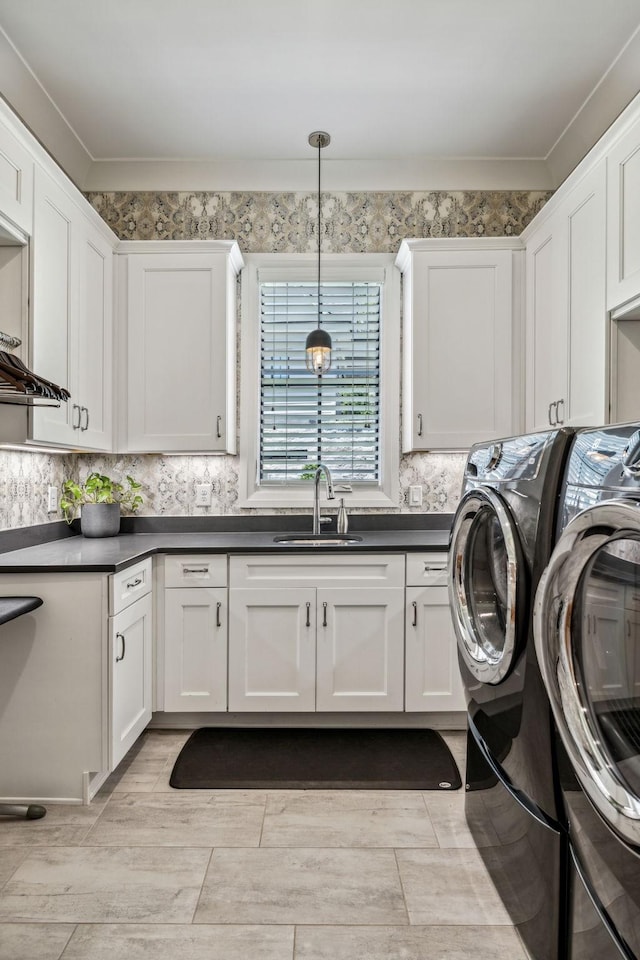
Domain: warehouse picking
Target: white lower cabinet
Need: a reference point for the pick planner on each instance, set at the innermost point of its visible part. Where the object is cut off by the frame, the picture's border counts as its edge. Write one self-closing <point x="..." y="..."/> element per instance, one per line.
<point x="309" y="635"/>
<point x="272" y="648"/>
<point x="195" y="633"/>
<point x="130" y="677"/>
<point x="359" y="649"/>
<point x="433" y="681"/>
<point x="130" y="658"/>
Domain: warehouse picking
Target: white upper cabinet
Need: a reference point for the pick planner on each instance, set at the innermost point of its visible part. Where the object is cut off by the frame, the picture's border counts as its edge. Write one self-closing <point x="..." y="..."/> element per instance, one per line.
<point x="457" y="342"/>
<point x="566" y="322"/>
<point x="623" y="221"/>
<point x="16" y="174"/>
<point x="72" y="315"/>
<point x="178" y="303"/>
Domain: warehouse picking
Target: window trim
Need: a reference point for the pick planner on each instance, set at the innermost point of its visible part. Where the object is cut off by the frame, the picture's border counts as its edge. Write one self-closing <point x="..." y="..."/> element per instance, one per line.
<point x="304" y="267"/>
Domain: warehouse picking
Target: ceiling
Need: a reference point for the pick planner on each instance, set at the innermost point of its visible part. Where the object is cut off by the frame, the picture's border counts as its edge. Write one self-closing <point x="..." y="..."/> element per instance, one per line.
<point x="248" y="80"/>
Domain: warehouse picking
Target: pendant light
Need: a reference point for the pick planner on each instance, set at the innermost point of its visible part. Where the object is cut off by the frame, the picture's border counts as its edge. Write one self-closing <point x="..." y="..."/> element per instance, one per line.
<point x="318" y="345"/>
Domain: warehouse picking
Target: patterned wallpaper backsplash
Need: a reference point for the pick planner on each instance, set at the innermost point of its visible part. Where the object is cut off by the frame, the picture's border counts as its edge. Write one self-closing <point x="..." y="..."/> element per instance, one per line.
<point x="266" y="223"/>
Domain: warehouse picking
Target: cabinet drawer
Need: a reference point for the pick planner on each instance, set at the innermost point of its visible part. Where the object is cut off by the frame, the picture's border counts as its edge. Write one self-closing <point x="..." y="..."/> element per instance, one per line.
<point x="427" y="569"/>
<point x="369" y="570"/>
<point x="195" y="570"/>
<point x="129" y="585"/>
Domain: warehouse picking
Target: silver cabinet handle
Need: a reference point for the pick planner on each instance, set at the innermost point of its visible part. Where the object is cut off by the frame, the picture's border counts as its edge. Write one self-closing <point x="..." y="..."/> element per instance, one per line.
<point x="554" y="403"/>
<point x="324" y="615"/>
<point x="120" y="636"/>
<point x="195" y="569"/>
<point x="76" y="425"/>
<point x="559" y="417"/>
<point x="419" y="424"/>
<point x="218" y="426"/>
<point x="414" y="622"/>
<point x="134" y="583"/>
<point x="218" y="608"/>
<point x="308" y="621"/>
<point x="430" y="569"/>
<point x="85" y="410"/>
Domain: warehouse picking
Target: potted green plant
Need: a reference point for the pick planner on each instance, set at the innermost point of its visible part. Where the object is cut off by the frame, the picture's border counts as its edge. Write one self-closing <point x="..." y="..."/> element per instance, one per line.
<point x="100" y="501"/>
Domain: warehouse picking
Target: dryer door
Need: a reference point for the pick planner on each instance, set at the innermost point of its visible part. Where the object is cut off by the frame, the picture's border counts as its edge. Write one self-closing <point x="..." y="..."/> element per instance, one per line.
<point x="487" y="584"/>
<point x="587" y="637"/>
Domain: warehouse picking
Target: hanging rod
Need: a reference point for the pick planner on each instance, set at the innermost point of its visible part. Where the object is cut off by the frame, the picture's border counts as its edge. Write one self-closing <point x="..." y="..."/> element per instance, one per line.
<point x="6" y="340"/>
<point x="10" y="395"/>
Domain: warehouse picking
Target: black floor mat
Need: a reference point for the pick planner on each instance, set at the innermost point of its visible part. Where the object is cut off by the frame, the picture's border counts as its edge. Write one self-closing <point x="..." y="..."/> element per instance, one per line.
<point x="311" y="758"/>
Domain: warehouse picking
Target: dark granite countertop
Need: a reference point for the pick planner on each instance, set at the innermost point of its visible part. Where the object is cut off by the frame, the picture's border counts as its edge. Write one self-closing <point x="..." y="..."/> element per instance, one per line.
<point x="148" y="536"/>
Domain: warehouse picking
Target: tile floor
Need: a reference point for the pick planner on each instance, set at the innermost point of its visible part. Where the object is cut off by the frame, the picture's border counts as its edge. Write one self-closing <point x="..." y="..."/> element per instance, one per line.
<point x="151" y="873"/>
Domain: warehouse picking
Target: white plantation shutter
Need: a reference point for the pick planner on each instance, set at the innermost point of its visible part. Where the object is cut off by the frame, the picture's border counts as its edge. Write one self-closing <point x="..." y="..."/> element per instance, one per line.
<point x="335" y="418"/>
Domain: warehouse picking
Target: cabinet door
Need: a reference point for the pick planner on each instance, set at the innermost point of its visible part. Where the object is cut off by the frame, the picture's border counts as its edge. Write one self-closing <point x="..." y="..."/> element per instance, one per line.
<point x="623" y="223"/>
<point x="177" y="353"/>
<point x="92" y="354"/>
<point x="458" y="376"/>
<point x="360" y="649"/>
<point x="55" y="289"/>
<point x="432" y="676"/>
<point x="272" y="649"/>
<point x="195" y="651"/>
<point x="585" y="214"/>
<point x="546" y="325"/>
<point x="16" y="180"/>
<point x="130" y="677"/>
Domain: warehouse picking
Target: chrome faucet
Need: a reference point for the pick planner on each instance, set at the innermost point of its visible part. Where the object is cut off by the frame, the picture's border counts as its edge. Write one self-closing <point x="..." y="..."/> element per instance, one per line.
<point x="321" y="468"/>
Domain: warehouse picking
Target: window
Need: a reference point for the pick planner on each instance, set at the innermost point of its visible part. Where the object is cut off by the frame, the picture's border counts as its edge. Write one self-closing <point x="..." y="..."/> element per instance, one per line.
<point x="305" y="419"/>
<point x="349" y="418"/>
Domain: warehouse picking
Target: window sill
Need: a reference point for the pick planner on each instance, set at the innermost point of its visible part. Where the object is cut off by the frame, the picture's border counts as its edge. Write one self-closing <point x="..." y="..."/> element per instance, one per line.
<point x="295" y="498"/>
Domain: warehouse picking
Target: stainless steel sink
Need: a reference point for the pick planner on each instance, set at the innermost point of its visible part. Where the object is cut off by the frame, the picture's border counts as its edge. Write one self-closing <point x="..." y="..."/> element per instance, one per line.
<point x="321" y="540"/>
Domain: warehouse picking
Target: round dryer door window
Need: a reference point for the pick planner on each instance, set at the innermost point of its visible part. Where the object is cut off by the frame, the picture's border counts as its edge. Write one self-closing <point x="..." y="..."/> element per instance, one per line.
<point x="587" y="635"/>
<point x="485" y="570"/>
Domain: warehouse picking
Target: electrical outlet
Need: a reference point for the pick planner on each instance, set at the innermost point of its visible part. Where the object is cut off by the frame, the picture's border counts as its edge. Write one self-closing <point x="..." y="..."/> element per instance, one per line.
<point x="203" y="494"/>
<point x="415" y="496"/>
<point x="52" y="500"/>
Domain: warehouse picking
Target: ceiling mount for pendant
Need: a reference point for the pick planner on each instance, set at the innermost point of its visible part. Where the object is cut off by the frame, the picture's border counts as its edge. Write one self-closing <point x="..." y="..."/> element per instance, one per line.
<point x="318" y="344"/>
<point x="319" y="139"/>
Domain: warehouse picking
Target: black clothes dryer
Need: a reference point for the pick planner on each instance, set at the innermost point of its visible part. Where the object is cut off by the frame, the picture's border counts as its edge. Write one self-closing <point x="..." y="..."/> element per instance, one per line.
<point x="587" y="635"/>
<point x="502" y="537"/>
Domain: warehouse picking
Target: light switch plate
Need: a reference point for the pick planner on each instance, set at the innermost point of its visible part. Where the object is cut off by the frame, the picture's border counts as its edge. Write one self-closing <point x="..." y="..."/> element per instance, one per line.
<point x="415" y="496"/>
<point x="52" y="499"/>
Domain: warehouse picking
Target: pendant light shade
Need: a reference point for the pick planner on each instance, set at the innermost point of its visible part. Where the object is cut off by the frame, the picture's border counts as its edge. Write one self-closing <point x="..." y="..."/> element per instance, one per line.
<point x="318" y="345"/>
<point x="318" y="350"/>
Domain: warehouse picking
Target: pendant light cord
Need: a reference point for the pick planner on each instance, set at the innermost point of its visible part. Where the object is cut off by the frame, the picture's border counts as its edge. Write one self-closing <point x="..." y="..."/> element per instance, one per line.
<point x="319" y="231"/>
